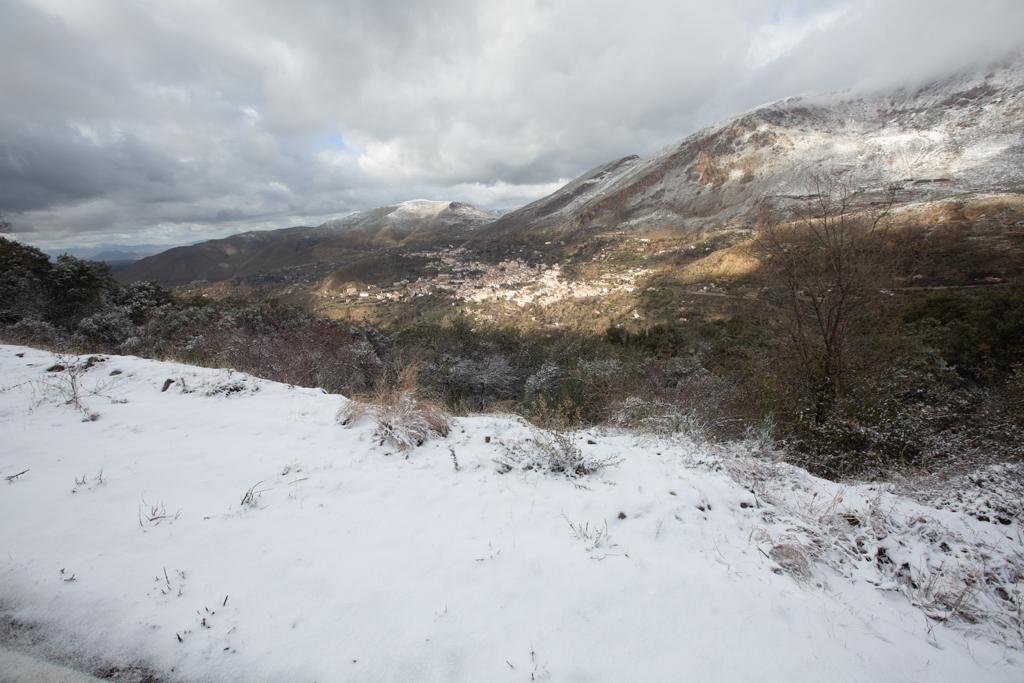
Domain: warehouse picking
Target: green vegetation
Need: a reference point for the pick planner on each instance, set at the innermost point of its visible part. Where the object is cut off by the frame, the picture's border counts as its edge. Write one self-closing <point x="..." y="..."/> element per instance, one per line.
<point x="980" y="334"/>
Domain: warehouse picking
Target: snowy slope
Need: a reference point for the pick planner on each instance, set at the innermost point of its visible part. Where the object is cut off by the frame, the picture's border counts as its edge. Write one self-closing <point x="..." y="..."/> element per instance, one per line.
<point x="357" y="563"/>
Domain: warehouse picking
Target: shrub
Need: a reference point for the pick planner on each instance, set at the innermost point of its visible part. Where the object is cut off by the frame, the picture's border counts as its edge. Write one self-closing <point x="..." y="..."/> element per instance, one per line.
<point x="652" y="417"/>
<point x="544" y="380"/>
<point x="402" y="419"/>
<point x="107" y="327"/>
<point x="978" y="334"/>
<point x="63" y="383"/>
<point x="31" y="330"/>
<point x="486" y="379"/>
<point x="78" y="288"/>
<point x="553" y="452"/>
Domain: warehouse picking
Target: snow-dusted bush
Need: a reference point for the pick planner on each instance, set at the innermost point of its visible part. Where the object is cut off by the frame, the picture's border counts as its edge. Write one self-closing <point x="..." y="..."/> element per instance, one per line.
<point x="402" y="419"/>
<point x="760" y="435"/>
<point x="142" y="299"/>
<point x="63" y="384"/>
<point x="33" y="330"/>
<point x="689" y="398"/>
<point x="952" y="568"/>
<point x="285" y="345"/>
<point x="657" y="417"/>
<point x="551" y="451"/>
<point x="490" y="377"/>
<point x="545" y="379"/>
<point x="600" y="368"/>
<point x="108" y="327"/>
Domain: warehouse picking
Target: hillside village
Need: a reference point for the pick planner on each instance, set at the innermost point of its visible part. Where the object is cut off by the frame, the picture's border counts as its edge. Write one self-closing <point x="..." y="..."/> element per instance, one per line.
<point x="470" y="281"/>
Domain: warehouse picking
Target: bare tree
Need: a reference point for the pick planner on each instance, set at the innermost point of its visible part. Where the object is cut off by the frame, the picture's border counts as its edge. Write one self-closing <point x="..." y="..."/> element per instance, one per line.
<point x="826" y="261"/>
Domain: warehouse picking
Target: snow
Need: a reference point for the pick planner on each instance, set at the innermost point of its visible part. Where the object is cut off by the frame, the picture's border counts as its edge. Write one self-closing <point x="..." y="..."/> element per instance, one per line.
<point x="20" y="667"/>
<point x="424" y="209"/>
<point x="421" y="207"/>
<point x="359" y="563"/>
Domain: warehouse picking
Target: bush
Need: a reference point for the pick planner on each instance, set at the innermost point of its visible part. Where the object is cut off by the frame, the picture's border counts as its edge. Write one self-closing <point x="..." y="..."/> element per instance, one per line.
<point x="654" y="417"/>
<point x="402" y="419"/>
<point x="660" y="339"/>
<point x="979" y="334"/>
<point x="919" y="415"/>
<point x="107" y="327"/>
<point x="544" y="380"/>
<point x="485" y="380"/>
<point x="552" y="452"/>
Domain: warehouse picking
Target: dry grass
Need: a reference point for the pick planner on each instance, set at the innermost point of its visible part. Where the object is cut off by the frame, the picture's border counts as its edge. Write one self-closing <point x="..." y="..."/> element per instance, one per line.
<point x="733" y="262"/>
<point x="653" y="416"/>
<point x="403" y="419"/>
<point x="954" y="573"/>
<point x="554" y="452"/>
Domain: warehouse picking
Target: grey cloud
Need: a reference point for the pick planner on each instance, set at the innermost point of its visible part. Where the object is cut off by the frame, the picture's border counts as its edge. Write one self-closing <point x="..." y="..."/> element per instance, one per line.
<point x="40" y="167"/>
<point x="169" y="122"/>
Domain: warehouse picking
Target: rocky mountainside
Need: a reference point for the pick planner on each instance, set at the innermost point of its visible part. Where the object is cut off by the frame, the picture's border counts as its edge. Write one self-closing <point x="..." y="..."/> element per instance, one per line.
<point x="408" y="224"/>
<point x="963" y="134"/>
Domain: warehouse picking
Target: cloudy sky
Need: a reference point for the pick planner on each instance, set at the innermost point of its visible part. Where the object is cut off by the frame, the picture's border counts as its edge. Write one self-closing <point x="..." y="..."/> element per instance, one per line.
<point x="169" y="121"/>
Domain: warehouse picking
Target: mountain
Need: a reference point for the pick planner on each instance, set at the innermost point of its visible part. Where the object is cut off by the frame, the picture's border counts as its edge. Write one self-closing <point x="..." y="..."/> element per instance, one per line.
<point x="408" y="224"/>
<point x="962" y="134"/>
<point x="119" y="256"/>
<point x="961" y="137"/>
<point x="111" y="253"/>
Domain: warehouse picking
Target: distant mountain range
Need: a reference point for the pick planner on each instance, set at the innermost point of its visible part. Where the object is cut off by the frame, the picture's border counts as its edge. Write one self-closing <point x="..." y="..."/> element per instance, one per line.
<point x="112" y="253"/>
<point x="957" y="136"/>
<point x="402" y="226"/>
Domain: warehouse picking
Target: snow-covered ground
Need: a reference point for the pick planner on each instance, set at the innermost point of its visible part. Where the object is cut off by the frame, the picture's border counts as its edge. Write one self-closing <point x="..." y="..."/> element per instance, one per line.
<point x="125" y="540"/>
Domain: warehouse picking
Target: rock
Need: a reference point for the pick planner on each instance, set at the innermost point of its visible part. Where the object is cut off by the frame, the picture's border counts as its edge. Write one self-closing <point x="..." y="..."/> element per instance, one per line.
<point x="115" y="372"/>
<point x="167" y="384"/>
<point x="57" y="367"/>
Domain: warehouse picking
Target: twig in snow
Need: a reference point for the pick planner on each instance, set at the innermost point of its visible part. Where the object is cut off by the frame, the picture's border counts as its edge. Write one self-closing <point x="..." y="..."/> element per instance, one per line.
<point x="12" y="477"/>
<point x="154" y="514"/>
<point x="251" y="494"/>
